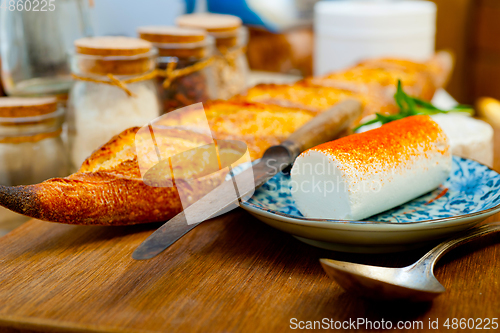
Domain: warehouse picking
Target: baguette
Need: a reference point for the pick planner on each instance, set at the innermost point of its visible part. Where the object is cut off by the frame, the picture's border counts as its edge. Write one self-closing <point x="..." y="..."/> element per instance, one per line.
<point x="381" y="75"/>
<point x="107" y="190"/>
<point x="317" y="98"/>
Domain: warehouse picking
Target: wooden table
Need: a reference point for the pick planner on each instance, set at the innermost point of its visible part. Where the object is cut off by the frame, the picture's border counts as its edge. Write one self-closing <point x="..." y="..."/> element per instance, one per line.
<point x="231" y="274"/>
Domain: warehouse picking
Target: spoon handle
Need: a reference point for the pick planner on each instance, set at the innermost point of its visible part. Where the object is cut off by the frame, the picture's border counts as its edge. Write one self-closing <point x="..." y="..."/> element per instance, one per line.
<point x="431" y="257"/>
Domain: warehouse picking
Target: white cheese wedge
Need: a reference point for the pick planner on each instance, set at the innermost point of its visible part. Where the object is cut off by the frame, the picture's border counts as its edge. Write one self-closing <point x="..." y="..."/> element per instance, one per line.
<point x="469" y="137"/>
<point x="364" y="174"/>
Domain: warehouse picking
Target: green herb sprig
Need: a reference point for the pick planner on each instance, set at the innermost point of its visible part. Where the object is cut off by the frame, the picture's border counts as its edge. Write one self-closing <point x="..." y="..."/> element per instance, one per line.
<point x="411" y="106"/>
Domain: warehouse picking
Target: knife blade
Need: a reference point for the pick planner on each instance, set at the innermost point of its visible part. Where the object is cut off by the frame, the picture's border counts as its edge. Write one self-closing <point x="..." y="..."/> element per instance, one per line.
<point x="324" y="127"/>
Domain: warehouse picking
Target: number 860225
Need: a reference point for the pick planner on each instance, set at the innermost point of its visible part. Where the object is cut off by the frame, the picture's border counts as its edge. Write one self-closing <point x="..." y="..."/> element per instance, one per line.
<point x="28" y="5"/>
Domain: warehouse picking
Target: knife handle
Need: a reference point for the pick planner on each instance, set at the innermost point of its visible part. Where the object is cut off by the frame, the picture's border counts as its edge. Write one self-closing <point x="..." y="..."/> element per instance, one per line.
<point x="324" y="127"/>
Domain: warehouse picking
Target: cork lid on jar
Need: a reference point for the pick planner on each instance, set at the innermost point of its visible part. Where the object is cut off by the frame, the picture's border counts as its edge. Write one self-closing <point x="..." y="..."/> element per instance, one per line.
<point x="16" y="107"/>
<point x="210" y="22"/>
<point x="176" y="41"/>
<point x="112" y="46"/>
<point x="114" y="55"/>
<point x="169" y="34"/>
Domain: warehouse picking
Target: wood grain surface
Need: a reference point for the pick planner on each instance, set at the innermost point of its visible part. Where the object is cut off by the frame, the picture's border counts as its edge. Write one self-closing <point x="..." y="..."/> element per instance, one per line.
<point x="231" y="274"/>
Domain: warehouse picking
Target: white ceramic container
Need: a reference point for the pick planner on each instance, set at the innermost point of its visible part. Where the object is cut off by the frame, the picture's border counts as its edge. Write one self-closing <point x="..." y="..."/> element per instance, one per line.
<point x="347" y="32"/>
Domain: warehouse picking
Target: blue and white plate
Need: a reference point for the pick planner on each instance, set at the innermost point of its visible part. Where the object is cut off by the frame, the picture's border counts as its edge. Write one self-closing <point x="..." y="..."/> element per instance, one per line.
<point x="469" y="196"/>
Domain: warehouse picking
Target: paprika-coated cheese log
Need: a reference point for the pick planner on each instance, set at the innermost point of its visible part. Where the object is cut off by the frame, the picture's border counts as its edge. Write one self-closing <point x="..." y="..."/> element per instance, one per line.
<point x="364" y="174"/>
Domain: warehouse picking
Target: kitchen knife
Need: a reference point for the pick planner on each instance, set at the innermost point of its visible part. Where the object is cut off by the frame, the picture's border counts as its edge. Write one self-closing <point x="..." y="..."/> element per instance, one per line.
<point x="322" y="128"/>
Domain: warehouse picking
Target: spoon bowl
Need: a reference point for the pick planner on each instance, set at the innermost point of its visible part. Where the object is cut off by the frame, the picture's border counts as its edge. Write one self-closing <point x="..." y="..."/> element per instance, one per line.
<point x="415" y="282"/>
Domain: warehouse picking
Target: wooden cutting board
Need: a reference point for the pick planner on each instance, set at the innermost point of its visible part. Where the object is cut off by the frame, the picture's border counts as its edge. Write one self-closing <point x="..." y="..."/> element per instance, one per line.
<point x="231" y="274"/>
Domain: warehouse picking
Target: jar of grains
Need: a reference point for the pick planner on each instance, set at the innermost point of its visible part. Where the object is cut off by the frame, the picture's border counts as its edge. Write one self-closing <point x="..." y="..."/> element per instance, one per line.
<point x="31" y="148"/>
<point x="186" y="53"/>
<point x="115" y="89"/>
<point x="231" y="65"/>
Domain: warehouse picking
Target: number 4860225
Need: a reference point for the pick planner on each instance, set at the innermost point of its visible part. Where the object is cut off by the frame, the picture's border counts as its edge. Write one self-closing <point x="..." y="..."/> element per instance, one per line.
<point x="471" y="323"/>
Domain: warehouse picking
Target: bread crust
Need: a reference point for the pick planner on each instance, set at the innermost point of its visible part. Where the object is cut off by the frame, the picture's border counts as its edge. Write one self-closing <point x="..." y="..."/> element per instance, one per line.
<point x="93" y="199"/>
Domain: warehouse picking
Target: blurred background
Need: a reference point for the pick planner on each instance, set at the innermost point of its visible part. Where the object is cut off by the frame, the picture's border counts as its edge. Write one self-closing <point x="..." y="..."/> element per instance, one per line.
<point x="281" y="34"/>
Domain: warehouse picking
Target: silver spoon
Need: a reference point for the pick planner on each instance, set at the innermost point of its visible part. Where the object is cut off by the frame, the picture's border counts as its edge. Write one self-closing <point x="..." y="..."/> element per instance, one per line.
<point x="415" y="282"/>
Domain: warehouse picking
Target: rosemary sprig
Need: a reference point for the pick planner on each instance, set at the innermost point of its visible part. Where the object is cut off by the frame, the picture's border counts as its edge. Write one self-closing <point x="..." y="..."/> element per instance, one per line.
<point x="411" y="106"/>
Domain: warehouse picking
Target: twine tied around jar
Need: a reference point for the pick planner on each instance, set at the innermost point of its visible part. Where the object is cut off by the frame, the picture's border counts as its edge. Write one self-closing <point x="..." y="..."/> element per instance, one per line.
<point x="170" y="73"/>
<point x="114" y="81"/>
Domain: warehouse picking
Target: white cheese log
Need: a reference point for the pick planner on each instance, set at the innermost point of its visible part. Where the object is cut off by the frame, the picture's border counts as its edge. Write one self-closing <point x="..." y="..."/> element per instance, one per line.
<point x="367" y="173"/>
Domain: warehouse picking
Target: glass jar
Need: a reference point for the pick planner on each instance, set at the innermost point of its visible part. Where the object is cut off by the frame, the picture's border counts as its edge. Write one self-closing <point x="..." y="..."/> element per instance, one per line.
<point x="101" y="102"/>
<point x="183" y="48"/>
<point x="31" y="148"/>
<point x="231" y="38"/>
<point x="35" y="40"/>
